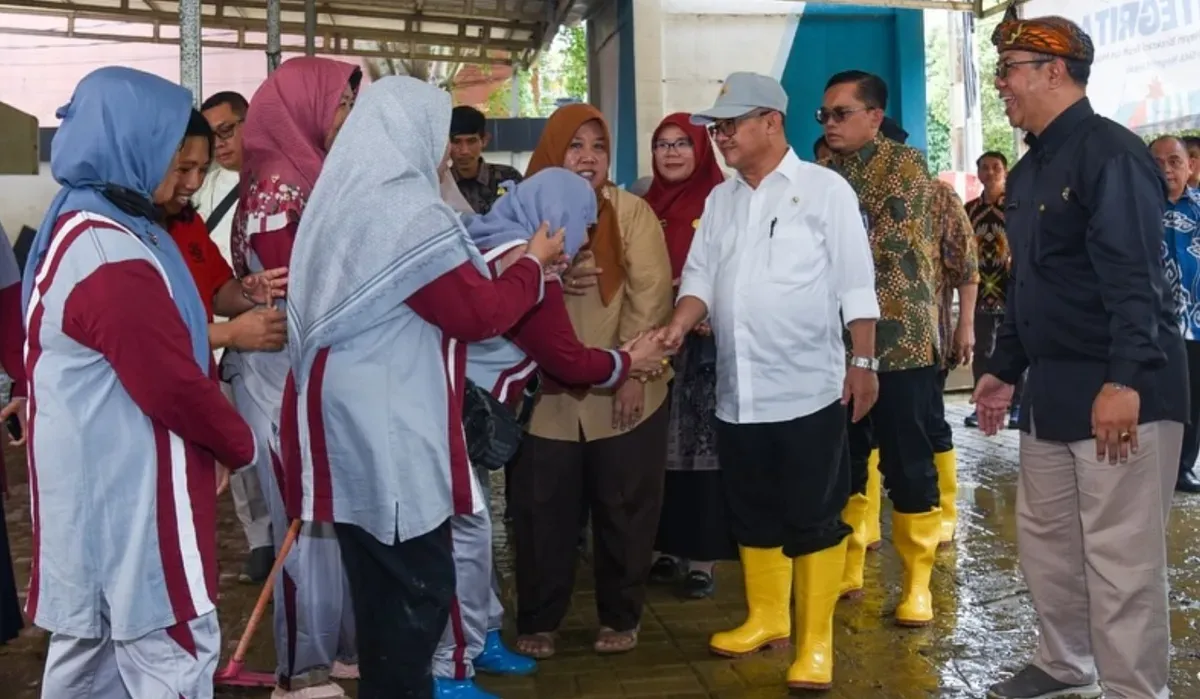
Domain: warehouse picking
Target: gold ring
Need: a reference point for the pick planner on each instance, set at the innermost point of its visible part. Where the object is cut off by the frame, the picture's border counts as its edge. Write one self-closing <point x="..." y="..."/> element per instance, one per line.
<point x="1125" y="436"/>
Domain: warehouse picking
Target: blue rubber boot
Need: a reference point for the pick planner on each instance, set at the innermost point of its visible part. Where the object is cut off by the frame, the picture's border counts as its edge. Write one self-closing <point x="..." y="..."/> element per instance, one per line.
<point x="498" y="660"/>
<point x="444" y="688"/>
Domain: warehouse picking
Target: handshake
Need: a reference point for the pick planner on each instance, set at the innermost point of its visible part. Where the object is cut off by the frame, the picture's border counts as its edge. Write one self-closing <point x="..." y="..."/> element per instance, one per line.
<point x="649" y="351"/>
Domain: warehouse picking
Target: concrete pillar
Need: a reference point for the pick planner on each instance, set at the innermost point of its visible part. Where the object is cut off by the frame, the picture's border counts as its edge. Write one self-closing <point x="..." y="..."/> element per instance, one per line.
<point x="648" y="86"/>
<point x="190" y="49"/>
<point x="274" y="49"/>
<point x="310" y="27"/>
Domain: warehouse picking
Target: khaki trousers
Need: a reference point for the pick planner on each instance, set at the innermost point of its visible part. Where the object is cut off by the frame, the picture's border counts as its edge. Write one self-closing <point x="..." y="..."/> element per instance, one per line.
<point x="1092" y="543"/>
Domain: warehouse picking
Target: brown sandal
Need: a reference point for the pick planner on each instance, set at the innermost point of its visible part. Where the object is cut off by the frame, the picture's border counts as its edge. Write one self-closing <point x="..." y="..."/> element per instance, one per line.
<point x="612" y="642"/>
<point x="538" y="646"/>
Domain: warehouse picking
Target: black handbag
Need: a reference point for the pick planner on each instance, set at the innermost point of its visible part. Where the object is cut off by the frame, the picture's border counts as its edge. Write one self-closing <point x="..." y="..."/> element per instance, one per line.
<point x="493" y="433"/>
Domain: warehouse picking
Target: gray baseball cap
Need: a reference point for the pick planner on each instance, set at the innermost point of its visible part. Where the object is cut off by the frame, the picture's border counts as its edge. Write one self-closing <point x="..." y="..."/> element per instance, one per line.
<point x="741" y="94"/>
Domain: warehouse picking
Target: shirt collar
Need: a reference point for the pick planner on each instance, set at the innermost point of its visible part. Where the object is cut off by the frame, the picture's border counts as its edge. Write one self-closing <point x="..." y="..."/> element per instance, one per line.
<point x="1061" y="128"/>
<point x="789" y="168"/>
<point x="868" y="151"/>
<point x="483" y="175"/>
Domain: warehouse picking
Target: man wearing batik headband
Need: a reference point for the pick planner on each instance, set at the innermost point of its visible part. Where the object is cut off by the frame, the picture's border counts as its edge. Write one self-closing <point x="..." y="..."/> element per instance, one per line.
<point x="1090" y="314"/>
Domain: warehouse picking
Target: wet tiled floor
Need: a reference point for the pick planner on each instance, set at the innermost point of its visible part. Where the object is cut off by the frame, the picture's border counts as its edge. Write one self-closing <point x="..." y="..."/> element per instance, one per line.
<point x="984" y="625"/>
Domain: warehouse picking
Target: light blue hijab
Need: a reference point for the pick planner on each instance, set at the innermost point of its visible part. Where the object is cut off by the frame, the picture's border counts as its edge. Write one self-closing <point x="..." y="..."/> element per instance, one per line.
<point x="555" y="195"/>
<point x="122" y="128"/>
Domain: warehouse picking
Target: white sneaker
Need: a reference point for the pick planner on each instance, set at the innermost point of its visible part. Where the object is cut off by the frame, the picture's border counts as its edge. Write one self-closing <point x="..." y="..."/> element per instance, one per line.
<point x="328" y="690"/>
<point x="344" y="671"/>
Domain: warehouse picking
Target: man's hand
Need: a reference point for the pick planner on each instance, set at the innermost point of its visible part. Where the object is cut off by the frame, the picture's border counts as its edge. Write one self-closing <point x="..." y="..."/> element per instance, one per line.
<point x="265" y="286"/>
<point x="861" y="389"/>
<point x="703" y="329"/>
<point x="992" y="399"/>
<point x="15" y="407"/>
<point x="627" y="405"/>
<point x="261" y="329"/>
<point x="583" y="273"/>
<point x="1115" y="414"/>
<point x="671" y="337"/>
<point x="964" y="341"/>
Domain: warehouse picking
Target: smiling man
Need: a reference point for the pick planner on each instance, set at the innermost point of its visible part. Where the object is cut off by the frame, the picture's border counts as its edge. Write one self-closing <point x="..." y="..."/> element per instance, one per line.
<point x="1090" y="313"/>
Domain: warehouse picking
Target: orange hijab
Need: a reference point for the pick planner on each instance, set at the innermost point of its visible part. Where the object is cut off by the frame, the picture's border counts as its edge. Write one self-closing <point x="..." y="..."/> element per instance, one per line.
<point x="551" y="151"/>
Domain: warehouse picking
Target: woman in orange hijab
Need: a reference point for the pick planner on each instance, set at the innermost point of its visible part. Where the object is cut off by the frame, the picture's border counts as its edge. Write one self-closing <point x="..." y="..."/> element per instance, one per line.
<point x="603" y="447"/>
<point x="693" y="530"/>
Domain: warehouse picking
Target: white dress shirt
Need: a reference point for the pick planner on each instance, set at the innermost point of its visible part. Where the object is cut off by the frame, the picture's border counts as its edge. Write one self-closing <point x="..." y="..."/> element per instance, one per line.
<point x="217" y="184"/>
<point x="779" y="267"/>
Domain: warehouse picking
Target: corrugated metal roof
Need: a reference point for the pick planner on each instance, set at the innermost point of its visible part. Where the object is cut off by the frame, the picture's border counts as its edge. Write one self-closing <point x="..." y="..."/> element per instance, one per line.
<point x="464" y="31"/>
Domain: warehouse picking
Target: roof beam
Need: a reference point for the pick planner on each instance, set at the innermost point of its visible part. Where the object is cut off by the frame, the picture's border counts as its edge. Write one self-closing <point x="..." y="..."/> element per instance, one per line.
<point x="328" y="44"/>
<point x="259" y="25"/>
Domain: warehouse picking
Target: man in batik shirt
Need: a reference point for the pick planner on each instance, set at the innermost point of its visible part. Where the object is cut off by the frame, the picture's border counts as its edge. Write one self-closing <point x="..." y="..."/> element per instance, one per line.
<point x="894" y="190"/>
<point x="995" y="267"/>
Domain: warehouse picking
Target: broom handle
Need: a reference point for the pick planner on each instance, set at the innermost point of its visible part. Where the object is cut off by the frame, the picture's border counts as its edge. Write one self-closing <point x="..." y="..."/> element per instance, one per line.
<point x="260" y="606"/>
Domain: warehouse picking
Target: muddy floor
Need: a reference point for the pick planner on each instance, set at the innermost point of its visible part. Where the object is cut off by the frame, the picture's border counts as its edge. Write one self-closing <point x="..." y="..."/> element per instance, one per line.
<point x="984" y="624"/>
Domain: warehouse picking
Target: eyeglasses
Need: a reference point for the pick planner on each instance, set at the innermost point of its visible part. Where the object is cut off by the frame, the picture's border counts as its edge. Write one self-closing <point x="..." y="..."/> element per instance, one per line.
<point x="224" y="132"/>
<point x="676" y="146"/>
<point x="729" y="127"/>
<point x="838" y="114"/>
<point x="1003" y="67"/>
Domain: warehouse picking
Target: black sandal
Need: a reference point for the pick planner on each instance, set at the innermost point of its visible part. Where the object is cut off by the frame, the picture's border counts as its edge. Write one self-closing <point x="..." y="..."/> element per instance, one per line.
<point x="697" y="584"/>
<point x="666" y="571"/>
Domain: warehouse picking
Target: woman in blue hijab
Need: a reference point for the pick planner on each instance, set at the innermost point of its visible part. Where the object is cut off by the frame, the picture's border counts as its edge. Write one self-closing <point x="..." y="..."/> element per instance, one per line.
<point x="125" y="423"/>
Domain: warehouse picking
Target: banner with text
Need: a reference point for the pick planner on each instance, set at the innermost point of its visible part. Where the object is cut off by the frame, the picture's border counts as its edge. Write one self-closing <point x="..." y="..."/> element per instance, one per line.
<point x="1147" y="69"/>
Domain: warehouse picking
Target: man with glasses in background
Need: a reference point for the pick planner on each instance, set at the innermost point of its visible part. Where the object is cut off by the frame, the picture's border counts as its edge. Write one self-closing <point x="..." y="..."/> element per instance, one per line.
<point x="216" y="201"/>
<point x="779" y="266"/>
<point x="895" y="194"/>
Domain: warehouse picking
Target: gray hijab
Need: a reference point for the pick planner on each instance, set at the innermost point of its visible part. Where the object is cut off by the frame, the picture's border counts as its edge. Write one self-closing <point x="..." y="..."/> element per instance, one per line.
<point x="375" y="229"/>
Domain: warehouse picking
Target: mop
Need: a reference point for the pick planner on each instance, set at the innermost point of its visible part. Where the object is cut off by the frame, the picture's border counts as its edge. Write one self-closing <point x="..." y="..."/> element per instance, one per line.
<point x="234" y="674"/>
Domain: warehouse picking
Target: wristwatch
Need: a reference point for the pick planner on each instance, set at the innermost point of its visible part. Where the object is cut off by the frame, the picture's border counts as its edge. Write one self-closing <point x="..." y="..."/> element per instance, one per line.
<point x="868" y="363"/>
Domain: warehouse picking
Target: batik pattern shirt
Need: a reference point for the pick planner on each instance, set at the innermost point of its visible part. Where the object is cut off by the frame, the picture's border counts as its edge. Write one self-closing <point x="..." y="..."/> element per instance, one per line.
<point x="894" y="191"/>
<point x="995" y="258"/>
<point x="957" y="263"/>
<point x="485" y="188"/>
<point x="1181" y="258"/>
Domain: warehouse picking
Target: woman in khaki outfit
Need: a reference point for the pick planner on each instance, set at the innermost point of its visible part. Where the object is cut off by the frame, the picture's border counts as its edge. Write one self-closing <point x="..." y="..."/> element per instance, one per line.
<point x="605" y="448"/>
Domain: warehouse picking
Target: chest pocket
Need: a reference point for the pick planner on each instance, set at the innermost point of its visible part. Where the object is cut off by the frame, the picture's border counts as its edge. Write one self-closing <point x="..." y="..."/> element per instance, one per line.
<point x="1062" y="219"/>
<point x="796" y="251"/>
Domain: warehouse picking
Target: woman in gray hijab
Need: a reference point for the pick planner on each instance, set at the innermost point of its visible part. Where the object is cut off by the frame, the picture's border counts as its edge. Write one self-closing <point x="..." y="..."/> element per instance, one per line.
<point x="386" y="292"/>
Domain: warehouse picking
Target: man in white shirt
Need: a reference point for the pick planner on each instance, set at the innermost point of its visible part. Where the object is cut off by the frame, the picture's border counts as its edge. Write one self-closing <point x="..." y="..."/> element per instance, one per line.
<point x="780" y="258"/>
<point x="216" y="200"/>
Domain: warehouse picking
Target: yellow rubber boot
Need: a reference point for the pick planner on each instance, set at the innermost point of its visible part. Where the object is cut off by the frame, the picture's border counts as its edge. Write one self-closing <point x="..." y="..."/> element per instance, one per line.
<point x="947" y="471"/>
<point x="916" y="540"/>
<point x="874" y="501"/>
<point x="768" y="575"/>
<point x="855" y="514"/>
<point x="816" y="588"/>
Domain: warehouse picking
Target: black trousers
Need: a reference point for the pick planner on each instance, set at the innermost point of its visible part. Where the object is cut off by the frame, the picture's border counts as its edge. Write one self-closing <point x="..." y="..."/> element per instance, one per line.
<point x="621" y="480"/>
<point x="941" y="435"/>
<point x="1191" y="434"/>
<point x="899" y="424"/>
<point x="786" y="483"/>
<point x="402" y="594"/>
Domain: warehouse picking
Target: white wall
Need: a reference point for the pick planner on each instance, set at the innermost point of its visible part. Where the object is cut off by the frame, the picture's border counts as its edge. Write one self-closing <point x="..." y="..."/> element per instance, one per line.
<point x="685" y="48"/>
<point x="24" y="198"/>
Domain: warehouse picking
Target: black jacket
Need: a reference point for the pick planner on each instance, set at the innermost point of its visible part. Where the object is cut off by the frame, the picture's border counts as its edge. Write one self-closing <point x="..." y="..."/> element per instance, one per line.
<point x="1088" y="302"/>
